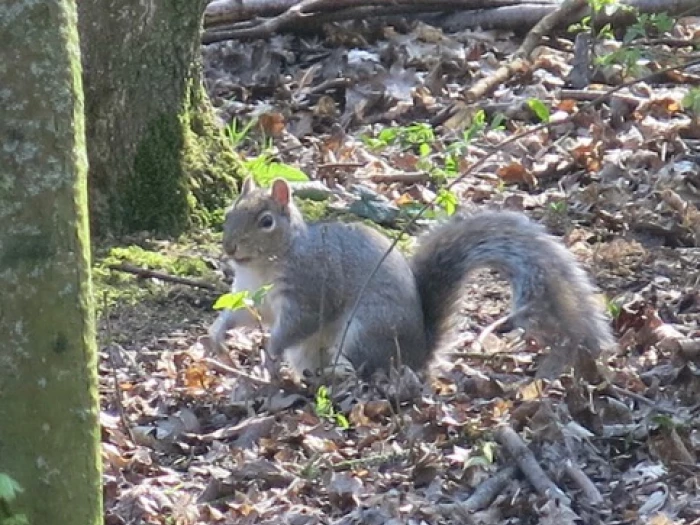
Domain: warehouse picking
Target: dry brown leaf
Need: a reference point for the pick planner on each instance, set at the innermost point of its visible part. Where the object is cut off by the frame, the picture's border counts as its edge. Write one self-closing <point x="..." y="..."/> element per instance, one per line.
<point x="516" y="173"/>
<point x="272" y="124"/>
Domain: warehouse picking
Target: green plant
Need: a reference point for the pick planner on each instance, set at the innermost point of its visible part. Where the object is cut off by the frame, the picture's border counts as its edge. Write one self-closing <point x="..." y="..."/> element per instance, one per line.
<point x="558" y="206"/>
<point x="236" y="136"/>
<point x="458" y="148"/>
<point x="691" y="101"/>
<point x="598" y="7"/>
<point x="538" y="108"/>
<point x="243" y="299"/>
<point x="264" y="171"/>
<point x="323" y="407"/>
<point x="649" y="24"/>
<point x="614" y="309"/>
<point x="447" y="200"/>
<point x="630" y="58"/>
<point x="418" y="136"/>
<point x="9" y="489"/>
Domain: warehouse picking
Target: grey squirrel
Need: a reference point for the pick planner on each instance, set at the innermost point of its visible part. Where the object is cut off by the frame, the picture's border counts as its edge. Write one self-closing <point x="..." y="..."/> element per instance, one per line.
<point x="317" y="270"/>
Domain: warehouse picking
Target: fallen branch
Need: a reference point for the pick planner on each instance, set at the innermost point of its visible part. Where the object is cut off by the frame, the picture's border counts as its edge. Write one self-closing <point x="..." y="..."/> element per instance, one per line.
<point x="241" y="19"/>
<point x="483" y="495"/>
<point x="231" y="11"/>
<point x="407" y="177"/>
<point x="221" y="367"/>
<point x="145" y="273"/>
<point x="642" y="400"/>
<point x="579" y="477"/>
<point x="521" y="59"/>
<point x="529" y="466"/>
<point x="312" y="14"/>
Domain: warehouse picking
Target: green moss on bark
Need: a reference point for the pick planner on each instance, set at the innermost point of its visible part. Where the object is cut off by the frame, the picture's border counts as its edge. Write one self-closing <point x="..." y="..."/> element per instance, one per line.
<point x="184" y="172"/>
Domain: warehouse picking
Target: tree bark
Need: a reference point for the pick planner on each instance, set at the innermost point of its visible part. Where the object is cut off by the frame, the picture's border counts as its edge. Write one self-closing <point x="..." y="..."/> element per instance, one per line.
<point x="157" y="159"/>
<point x="49" y="431"/>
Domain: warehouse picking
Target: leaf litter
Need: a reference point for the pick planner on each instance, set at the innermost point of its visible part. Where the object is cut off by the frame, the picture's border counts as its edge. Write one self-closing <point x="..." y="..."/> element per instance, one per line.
<point x="369" y="112"/>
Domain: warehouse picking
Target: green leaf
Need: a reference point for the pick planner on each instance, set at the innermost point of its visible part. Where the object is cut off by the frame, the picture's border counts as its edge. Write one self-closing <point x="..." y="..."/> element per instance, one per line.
<point x="614" y="309"/>
<point x="9" y="488"/>
<point x="232" y="301"/>
<point x="418" y="133"/>
<point x="388" y="135"/>
<point x="691" y="101"/>
<point x="539" y="109"/>
<point x="477" y="126"/>
<point x="342" y="421"/>
<point x="447" y="201"/>
<point x="259" y="294"/>
<point x="498" y="121"/>
<point x="424" y="149"/>
<point x="451" y="164"/>
<point x="264" y="171"/>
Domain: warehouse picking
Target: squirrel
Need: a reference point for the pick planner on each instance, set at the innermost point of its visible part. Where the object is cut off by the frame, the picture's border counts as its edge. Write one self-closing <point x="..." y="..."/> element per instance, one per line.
<point x="318" y="269"/>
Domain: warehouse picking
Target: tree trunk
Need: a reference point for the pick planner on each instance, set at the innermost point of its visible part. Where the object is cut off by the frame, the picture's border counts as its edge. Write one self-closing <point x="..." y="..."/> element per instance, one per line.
<point x="49" y="431"/>
<point x="157" y="159"/>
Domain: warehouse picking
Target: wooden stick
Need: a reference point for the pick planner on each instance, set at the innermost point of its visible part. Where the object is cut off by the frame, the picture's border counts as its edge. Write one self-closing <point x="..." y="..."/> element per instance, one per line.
<point x="520" y="62"/>
<point x="483" y="495"/>
<point x="146" y="273"/>
<point x="579" y="477"/>
<point x="529" y="466"/>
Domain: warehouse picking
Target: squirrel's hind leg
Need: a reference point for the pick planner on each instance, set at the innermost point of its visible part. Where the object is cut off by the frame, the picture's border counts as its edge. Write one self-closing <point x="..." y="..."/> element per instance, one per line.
<point x="313" y="356"/>
<point x="371" y="345"/>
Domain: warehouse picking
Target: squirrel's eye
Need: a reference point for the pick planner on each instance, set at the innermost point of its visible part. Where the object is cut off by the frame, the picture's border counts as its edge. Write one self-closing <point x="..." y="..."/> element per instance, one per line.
<point x="266" y="222"/>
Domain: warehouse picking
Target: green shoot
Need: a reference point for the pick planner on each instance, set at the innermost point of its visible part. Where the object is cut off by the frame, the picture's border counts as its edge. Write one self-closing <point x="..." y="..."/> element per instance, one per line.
<point x="236" y="136"/>
<point x="539" y="109"/>
<point x="323" y="407"/>
<point x="691" y="101"/>
<point x="244" y="299"/>
<point x="614" y="309"/>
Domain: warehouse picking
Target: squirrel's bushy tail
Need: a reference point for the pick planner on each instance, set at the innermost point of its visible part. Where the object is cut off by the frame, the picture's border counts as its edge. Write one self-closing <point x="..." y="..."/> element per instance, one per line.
<point x="551" y="293"/>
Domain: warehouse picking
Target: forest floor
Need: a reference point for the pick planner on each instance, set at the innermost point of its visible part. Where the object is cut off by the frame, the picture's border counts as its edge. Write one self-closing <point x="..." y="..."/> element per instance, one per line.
<point x="188" y="441"/>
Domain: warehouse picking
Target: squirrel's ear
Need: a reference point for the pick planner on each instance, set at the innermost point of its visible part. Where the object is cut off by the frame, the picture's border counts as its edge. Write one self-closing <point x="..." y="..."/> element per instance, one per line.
<point x="248" y="185"/>
<point x="281" y="192"/>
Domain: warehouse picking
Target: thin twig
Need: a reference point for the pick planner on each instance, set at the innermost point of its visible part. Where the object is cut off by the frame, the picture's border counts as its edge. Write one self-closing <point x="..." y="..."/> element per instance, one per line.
<point x="579" y="477"/>
<point x="410" y="177"/>
<point x="520" y="61"/>
<point x="643" y="400"/>
<point x="113" y="368"/>
<point x="529" y="466"/>
<point x="233" y="371"/>
<point x="146" y="273"/>
<point x="483" y="495"/>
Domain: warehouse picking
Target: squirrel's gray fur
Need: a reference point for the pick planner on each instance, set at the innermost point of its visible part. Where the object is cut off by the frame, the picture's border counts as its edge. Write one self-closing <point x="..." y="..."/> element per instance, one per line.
<point x="317" y="271"/>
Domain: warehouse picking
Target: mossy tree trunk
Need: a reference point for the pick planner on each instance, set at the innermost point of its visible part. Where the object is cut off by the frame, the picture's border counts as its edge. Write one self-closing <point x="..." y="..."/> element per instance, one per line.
<point x="49" y="431"/>
<point x="157" y="160"/>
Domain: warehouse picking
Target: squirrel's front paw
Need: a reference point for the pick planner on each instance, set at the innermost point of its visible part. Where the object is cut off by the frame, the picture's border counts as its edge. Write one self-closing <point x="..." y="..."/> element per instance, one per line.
<point x="272" y="366"/>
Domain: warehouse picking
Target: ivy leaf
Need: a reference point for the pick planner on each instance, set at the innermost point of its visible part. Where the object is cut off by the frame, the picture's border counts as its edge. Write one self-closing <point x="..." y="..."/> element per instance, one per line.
<point x="264" y="172"/>
<point x="259" y="294"/>
<point x="231" y="301"/>
<point x="539" y="109"/>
